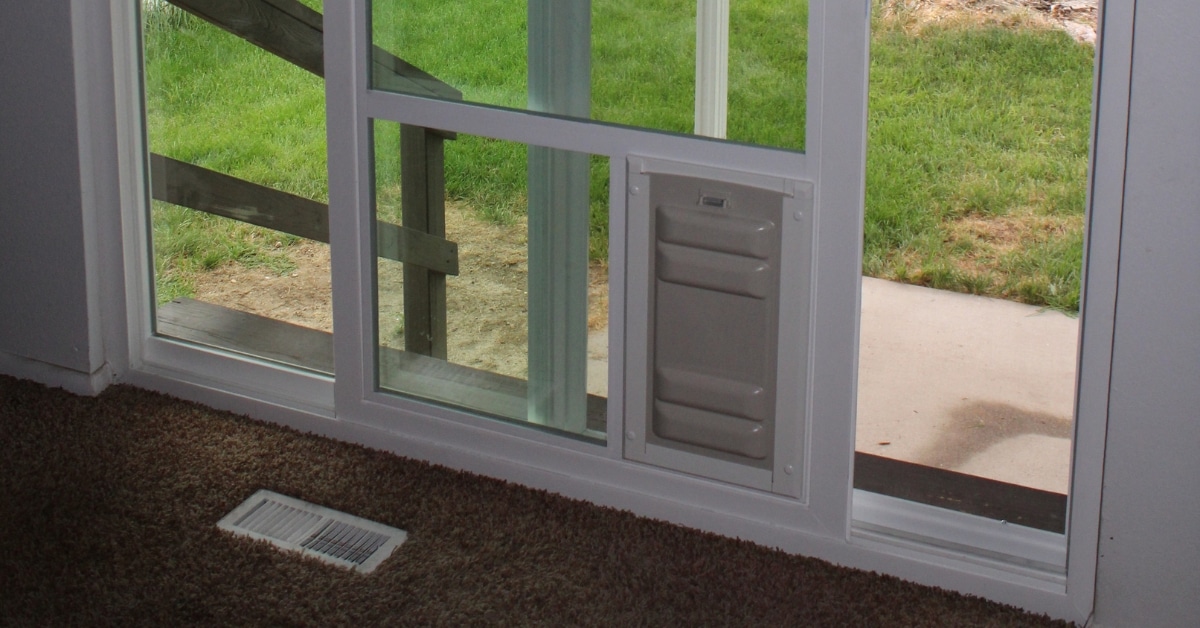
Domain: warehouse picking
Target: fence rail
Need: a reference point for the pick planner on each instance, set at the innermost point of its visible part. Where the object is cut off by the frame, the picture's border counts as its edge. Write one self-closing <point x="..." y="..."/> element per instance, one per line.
<point x="188" y="185"/>
<point x="295" y="33"/>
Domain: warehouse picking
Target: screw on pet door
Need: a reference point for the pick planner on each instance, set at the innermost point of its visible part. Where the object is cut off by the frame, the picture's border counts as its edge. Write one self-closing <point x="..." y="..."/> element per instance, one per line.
<point x="724" y="254"/>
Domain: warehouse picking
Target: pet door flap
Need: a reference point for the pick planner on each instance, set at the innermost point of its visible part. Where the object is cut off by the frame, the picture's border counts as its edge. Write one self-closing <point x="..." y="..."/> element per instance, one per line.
<point x="708" y="399"/>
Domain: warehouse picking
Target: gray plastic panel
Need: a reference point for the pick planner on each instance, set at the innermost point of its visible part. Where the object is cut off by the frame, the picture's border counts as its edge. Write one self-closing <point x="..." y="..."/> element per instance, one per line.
<point x="715" y="232"/>
<point x="714" y="318"/>
<point x="722" y="272"/>
<point x="713" y="430"/>
<point x="723" y="395"/>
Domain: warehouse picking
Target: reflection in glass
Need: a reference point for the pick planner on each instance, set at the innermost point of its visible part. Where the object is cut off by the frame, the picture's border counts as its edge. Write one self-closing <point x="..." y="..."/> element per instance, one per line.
<point x="733" y="70"/>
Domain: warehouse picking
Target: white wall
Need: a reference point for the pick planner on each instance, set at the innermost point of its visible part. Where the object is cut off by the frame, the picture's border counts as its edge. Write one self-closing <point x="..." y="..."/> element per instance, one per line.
<point x="43" y="281"/>
<point x="1149" y="564"/>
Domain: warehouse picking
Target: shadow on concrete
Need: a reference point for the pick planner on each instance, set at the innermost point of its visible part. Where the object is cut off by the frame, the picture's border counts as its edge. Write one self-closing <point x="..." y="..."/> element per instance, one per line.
<point x="977" y="426"/>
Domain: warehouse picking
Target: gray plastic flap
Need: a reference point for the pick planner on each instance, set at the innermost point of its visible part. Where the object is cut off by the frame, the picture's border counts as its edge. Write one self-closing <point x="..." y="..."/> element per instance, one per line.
<point x="714" y="257"/>
<point x="715" y="314"/>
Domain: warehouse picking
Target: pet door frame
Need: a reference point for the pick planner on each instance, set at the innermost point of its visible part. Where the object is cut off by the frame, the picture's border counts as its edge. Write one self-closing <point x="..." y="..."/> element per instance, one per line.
<point x="508" y="449"/>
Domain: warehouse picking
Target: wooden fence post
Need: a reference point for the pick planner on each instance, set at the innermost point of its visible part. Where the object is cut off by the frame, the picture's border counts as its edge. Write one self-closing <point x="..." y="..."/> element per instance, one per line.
<point x="423" y="208"/>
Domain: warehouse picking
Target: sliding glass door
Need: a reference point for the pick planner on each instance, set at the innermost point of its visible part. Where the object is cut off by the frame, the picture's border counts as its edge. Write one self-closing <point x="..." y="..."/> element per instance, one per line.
<point x="511" y="319"/>
<point x="976" y="199"/>
<point x="613" y="249"/>
<point x="548" y="193"/>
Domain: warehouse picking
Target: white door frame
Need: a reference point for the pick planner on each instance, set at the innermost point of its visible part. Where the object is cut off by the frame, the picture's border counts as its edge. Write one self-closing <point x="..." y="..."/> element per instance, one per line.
<point x="350" y="409"/>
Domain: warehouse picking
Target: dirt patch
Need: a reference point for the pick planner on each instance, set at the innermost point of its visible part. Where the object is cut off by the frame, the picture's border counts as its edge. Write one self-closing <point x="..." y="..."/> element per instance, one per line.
<point x="301" y="296"/>
<point x="995" y="236"/>
<point x="487" y="302"/>
<point x="983" y="249"/>
<point x="1076" y="17"/>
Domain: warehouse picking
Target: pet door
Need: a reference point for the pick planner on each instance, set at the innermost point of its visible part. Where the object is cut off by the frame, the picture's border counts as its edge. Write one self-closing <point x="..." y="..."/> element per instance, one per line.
<point x="720" y="389"/>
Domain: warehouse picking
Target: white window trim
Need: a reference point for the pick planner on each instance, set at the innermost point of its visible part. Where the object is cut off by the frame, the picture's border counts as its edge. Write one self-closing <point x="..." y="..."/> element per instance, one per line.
<point x="155" y="359"/>
<point x="595" y="474"/>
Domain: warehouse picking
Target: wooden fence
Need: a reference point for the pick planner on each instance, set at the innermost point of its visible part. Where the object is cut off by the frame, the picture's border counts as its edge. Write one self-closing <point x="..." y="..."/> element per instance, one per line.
<point x="294" y="32"/>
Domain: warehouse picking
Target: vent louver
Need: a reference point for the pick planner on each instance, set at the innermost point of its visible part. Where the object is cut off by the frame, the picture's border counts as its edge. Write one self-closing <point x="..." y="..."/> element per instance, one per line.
<point x="323" y="533"/>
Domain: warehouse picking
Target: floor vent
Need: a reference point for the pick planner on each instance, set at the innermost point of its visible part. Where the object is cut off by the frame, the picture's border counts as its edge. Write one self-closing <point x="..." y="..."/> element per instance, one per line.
<point x="326" y="534"/>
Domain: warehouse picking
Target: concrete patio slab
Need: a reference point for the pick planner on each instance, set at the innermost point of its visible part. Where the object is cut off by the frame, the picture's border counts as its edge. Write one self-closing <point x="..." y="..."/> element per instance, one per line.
<point x="967" y="383"/>
<point x="961" y="382"/>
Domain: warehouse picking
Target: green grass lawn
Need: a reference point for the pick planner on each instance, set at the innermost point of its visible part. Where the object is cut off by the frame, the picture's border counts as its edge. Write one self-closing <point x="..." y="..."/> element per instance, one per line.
<point x="977" y="161"/>
<point x="215" y="101"/>
<point x="976" y="166"/>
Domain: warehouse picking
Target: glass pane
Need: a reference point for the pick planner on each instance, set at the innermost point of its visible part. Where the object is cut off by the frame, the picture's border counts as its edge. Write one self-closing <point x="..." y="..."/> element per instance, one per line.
<point x="733" y="70"/>
<point x="976" y="190"/>
<point x="487" y="296"/>
<point x="238" y="178"/>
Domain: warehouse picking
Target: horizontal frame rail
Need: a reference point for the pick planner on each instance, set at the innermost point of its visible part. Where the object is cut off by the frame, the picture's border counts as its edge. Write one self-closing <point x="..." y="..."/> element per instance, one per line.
<point x="961" y="492"/>
<point x="312" y="349"/>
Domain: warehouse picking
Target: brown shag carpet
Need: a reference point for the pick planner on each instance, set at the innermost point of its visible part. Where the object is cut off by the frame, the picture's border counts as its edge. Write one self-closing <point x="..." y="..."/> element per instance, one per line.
<point x="108" y="508"/>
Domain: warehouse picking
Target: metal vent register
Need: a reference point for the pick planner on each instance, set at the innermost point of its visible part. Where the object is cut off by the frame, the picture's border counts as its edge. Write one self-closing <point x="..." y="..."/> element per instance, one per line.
<point x="323" y="533"/>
